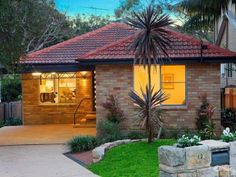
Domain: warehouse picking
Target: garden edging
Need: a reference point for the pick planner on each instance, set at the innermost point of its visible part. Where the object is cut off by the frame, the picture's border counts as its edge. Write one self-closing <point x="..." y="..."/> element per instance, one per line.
<point x="99" y="152"/>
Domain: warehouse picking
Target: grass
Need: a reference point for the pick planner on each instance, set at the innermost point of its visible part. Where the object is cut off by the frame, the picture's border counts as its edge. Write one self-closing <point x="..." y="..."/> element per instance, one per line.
<point x="131" y="160"/>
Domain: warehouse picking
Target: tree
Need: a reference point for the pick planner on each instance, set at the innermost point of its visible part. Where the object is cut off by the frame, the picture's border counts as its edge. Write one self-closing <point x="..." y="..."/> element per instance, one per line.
<point x="84" y="23"/>
<point x="29" y="25"/>
<point x="149" y="44"/>
<point x="201" y="15"/>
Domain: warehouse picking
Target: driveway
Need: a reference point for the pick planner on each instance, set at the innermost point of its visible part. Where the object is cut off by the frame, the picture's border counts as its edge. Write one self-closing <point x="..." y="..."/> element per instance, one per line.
<point x="41" y="134"/>
<point x="39" y="161"/>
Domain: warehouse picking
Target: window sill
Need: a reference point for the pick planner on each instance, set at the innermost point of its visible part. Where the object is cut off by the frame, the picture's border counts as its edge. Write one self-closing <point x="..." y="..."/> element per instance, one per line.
<point x="175" y="107"/>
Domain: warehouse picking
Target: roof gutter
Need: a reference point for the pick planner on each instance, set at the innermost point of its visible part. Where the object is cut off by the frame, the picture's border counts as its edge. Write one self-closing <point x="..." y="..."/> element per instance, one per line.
<point x="175" y="60"/>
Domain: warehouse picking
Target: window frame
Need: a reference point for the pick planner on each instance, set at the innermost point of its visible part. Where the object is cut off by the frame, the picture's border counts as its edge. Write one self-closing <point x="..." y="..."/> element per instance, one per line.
<point x="55" y="104"/>
<point x="171" y="106"/>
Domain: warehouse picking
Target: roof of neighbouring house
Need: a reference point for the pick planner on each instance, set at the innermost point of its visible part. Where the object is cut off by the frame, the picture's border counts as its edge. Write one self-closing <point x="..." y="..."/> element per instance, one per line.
<point x="112" y="41"/>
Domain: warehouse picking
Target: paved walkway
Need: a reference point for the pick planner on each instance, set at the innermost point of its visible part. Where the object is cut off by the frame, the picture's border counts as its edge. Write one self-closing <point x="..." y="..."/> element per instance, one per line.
<point x="41" y="134"/>
<point x="39" y="161"/>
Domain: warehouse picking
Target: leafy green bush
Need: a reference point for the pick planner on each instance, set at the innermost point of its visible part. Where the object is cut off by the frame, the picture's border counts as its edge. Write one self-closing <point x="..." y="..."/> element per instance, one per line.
<point x="82" y="143"/>
<point x="228" y="118"/>
<point x="227" y="136"/>
<point x="1" y="124"/>
<point x="13" y="122"/>
<point x="188" y="140"/>
<point x="11" y="88"/>
<point x="107" y="128"/>
<point x="136" y="135"/>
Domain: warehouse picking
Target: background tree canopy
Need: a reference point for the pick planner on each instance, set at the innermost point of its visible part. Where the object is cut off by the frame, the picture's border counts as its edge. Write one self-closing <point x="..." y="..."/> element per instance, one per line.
<point x="30" y="25"/>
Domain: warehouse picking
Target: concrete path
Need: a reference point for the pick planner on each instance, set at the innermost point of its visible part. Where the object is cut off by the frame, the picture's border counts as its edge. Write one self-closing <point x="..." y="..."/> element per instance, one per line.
<point x="41" y="134"/>
<point x="39" y="161"/>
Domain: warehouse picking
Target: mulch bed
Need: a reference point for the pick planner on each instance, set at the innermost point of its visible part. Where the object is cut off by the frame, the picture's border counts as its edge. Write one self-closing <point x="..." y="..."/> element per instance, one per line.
<point x="83" y="158"/>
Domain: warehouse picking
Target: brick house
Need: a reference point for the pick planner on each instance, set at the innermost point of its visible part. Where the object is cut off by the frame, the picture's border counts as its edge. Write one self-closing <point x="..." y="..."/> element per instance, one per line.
<point x="92" y="66"/>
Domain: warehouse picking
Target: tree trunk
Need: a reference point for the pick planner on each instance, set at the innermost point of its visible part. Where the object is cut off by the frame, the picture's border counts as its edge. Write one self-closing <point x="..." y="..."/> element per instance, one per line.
<point x="150" y="133"/>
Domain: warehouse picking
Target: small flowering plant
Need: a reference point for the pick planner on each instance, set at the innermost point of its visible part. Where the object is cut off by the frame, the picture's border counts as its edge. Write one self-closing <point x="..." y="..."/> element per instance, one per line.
<point x="227" y="136"/>
<point x="188" y="140"/>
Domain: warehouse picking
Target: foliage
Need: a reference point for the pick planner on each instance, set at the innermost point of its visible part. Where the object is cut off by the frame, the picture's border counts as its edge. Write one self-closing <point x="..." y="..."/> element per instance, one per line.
<point x="175" y="133"/>
<point x="151" y="121"/>
<point x="1" y="123"/>
<point x="115" y="114"/>
<point x="82" y="143"/>
<point x="209" y="131"/>
<point x="19" y="34"/>
<point x="189" y="140"/>
<point x="108" y="129"/>
<point x="228" y="118"/>
<point x="12" y="121"/>
<point x="136" y="135"/>
<point x="133" y="159"/>
<point x="204" y="122"/>
<point x="227" y="136"/>
<point x="149" y="45"/>
<point x="11" y="88"/>
<point x="84" y="23"/>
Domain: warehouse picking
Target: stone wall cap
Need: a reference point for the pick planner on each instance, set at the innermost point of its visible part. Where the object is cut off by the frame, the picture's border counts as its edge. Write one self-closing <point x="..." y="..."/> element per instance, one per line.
<point x="213" y="144"/>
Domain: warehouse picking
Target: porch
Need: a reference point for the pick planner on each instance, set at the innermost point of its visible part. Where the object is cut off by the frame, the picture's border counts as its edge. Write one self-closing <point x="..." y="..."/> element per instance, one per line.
<point x="41" y="134"/>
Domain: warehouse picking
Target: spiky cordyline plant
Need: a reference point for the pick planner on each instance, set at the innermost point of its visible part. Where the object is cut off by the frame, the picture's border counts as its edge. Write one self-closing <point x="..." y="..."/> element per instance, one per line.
<point x="150" y="46"/>
<point x="149" y="112"/>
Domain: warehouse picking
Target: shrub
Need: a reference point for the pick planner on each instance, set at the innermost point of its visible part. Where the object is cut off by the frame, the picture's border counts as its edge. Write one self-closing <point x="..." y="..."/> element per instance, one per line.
<point x="209" y="131"/>
<point x="227" y="136"/>
<point x="11" y="88"/>
<point x="188" y="140"/>
<point x="13" y="122"/>
<point x="82" y="143"/>
<point x="228" y="118"/>
<point x="107" y="128"/>
<point x="136" y="135"/>
<point x="1" y="124"/>
<point x="115" y="114"/>
<point x="204" y="122"/>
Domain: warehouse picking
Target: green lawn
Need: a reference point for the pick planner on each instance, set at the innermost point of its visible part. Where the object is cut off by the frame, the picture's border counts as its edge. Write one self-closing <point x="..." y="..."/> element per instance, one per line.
<point x="130" y="160"/>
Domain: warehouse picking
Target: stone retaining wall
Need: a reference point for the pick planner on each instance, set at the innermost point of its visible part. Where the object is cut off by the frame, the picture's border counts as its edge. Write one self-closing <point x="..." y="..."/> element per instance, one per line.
<point x="196" y="161"/>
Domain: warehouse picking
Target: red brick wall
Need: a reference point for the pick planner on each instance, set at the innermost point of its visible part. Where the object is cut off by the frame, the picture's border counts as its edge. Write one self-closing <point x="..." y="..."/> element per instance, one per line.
<point x="201" y="78"/>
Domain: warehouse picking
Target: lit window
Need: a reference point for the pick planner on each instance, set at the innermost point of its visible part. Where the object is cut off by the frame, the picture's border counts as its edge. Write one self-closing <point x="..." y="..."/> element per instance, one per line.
<point x="58" y="88"/>
<point x="172" y="81"/>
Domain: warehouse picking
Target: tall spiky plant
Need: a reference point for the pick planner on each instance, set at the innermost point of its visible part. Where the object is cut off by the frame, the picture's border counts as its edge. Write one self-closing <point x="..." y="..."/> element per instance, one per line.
<point x="150" y="47"/>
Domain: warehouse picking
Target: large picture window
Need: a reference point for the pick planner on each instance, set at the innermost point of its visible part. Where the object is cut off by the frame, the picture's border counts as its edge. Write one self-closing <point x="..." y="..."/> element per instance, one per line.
<point x="57" y="88"/>
<point x="171" y="78"/>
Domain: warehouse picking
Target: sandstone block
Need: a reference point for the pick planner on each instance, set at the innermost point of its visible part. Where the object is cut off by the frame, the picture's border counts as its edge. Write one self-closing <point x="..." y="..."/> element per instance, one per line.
<point x="172" y="156"/>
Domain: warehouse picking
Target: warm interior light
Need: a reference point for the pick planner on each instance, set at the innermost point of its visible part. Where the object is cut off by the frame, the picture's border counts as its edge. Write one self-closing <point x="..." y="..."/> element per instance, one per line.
<point x="83" y="74"/>
<point x="53" y="73"/>
<point x="36" y="74"/>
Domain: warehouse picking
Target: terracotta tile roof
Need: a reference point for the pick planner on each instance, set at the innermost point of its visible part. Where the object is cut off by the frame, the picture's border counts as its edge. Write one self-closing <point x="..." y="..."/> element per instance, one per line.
<point x="70" y="50"/>
<point x="112" y="42"/>
<point x="183" y="46"/>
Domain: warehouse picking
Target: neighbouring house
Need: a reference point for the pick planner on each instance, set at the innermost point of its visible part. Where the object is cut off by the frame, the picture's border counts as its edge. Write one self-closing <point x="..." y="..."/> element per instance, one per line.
<point x="86" y="69"/>
<point x="224" y="36"/>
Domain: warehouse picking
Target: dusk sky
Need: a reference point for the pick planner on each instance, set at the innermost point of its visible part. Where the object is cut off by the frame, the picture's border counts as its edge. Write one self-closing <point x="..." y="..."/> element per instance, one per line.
<point x="73" y="7"/>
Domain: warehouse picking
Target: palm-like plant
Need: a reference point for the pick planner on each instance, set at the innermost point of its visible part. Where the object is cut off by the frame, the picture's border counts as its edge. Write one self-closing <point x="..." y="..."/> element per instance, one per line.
<point x="150" y="46"/>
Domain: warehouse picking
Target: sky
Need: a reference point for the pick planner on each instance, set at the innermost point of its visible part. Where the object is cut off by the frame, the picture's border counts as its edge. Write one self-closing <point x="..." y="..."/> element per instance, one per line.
<point x="73" y="7"/>
<point x="96" y="7"/>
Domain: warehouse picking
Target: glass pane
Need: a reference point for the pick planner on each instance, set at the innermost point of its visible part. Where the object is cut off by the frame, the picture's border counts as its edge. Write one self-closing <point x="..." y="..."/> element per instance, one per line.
<point x="67" y="90"/>
<point x="141" y="78"/>
<point x="48" y="91"/>
<point x="175" y="72"/>
<point x="176" y="94"/>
